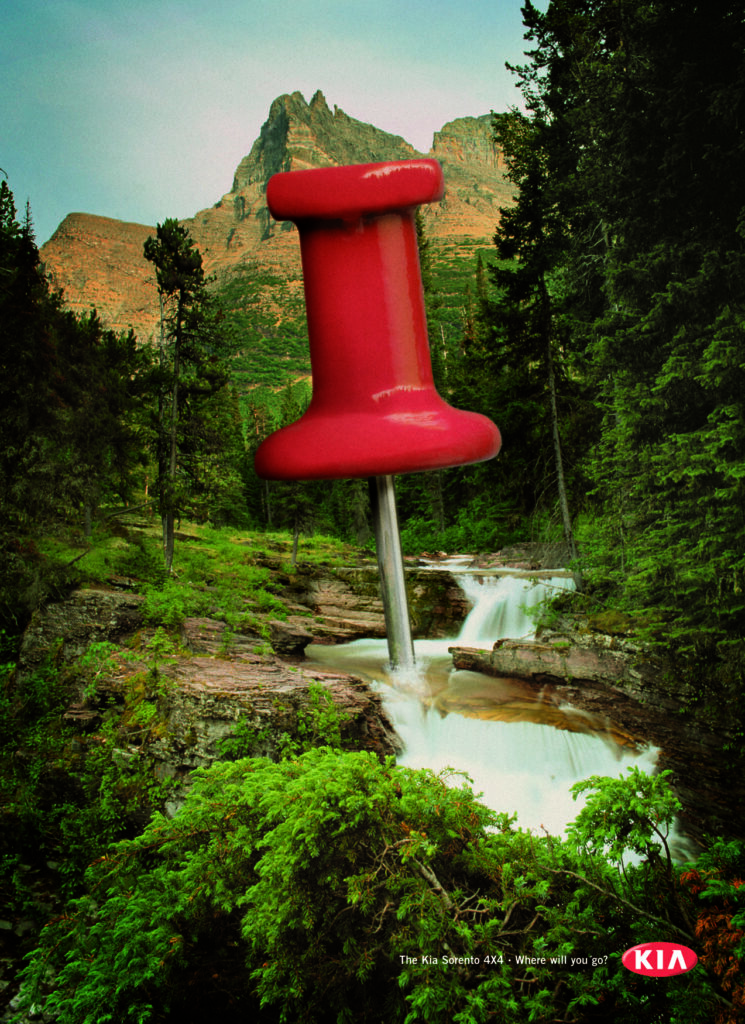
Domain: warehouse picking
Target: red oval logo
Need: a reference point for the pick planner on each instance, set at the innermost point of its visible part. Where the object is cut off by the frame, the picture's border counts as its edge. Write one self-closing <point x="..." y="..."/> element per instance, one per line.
<point x="659" y="959"/>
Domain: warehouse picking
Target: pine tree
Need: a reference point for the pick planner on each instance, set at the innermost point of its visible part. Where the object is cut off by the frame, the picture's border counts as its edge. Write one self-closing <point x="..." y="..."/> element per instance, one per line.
<point x="99" y="400"/>
<point x="639" y="112"/>
<point x="192" y="370"/>
<point x="29" y="367"/>
<point x="68" y="436"/>
<point x="532" y="343"/>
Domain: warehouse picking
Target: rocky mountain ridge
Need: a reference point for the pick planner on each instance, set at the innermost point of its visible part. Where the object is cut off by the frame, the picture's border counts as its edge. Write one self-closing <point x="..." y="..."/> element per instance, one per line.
<point x="98" y="261"/>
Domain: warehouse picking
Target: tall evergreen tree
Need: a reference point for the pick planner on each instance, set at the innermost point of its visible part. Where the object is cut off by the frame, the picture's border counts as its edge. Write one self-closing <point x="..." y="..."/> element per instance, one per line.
<point x="542" y="416"/>
<point x="647" y="101"/>
<point x="192" y="371"/>
<point x="29" y="367"/>
<point x="67" y="392"/>
<point x="68" y="438"/>
<point x="100" y="404"/>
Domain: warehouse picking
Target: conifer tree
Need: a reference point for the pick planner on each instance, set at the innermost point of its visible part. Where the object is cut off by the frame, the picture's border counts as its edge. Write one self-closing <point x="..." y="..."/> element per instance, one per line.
<point x="28" y="370"/>
<point x="533" y="346"/>
<point x="68" y="437"/>
<point x="100" y="400"/>
<point x="192" y="369"/>
<point x="641" y="109"/>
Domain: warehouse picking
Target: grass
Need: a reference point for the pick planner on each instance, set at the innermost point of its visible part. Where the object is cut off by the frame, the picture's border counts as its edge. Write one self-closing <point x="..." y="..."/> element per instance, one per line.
<point x="219" y="573"/>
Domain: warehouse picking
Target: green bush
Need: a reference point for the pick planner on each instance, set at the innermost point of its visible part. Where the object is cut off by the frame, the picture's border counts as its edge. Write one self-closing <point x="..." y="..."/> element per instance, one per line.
<point x="318" y="724"/>
<point x="331" y="887"/>
<point x="477" y="527"/>
<point x="217" y="579"/>
<point x="170" y="603"/>
<point x="65" y="795"/>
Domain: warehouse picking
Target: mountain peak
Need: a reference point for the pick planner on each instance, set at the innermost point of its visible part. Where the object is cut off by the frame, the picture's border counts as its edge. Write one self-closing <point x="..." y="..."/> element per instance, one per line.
<point x="297" y="135"/>
<point x="319" y="100"/>
<point x="468" y="140"/>
<point x="238" y="230"/>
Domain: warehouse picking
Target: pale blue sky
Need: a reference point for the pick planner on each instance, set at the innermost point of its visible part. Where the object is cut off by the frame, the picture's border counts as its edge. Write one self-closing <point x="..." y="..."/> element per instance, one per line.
<point x="142" y="109"/>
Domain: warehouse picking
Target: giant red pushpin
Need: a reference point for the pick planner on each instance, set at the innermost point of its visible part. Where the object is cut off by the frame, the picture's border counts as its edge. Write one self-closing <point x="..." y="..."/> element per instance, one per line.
<point x="375" y="411"/>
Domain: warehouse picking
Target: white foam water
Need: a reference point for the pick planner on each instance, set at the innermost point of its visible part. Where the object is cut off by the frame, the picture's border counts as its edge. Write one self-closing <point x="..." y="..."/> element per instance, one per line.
<point x="504" y="607"/>
<point x="521" y="767"/>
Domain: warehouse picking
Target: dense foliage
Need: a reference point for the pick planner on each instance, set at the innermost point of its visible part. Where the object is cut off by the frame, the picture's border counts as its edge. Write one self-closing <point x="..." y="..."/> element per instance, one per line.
<point x="69" y="787"/>
<point x="629" y="219"/>
<point x="89" y="418"/>
<point x="69" y="402"/>
<point x="605" y="333"/>
<point x="331" y="887"/>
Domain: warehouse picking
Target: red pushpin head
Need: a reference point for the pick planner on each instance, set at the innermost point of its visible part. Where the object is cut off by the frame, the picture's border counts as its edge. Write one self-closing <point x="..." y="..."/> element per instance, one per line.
<point x="375" y="410"/>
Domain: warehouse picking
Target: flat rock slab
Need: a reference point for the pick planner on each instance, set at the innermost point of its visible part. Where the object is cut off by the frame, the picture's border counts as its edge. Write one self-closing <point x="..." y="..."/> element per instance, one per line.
<point x="345" y="603"/>
<point x="562" y="662"/>
<point x="67" y="628"/>
<point x="203" y="699"/>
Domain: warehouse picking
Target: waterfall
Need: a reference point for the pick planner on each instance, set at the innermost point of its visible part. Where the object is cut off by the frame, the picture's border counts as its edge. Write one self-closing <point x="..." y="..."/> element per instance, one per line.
<point x="520" y="747"/>
<point x="502" y="605"/>
<point x="523" y="768"/>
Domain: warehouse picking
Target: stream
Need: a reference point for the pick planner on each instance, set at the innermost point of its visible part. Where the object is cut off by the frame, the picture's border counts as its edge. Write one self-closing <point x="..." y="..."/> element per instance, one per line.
<point x="522" y="748"/>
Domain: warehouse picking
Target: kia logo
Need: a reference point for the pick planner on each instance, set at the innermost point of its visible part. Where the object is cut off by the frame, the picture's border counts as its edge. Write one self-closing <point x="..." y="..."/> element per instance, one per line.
<point x="659" y="959"/>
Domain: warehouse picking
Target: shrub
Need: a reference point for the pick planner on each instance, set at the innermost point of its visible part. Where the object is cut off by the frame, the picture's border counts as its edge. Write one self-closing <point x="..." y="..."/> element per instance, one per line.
<point x="168" y="604"/>
<point x="319" y="724"/>
<point x="66" y="794"/>
<point x="331" y="887"/>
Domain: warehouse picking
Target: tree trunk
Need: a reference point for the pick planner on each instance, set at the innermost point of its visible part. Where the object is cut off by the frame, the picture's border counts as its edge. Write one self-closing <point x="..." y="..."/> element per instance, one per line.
<point x="561" y="484"/>
<point x="433" y="484"/>
<point x="163" y="480"/>
<point x="566" y="518"/>
<point x="169" y="518"/>
<point x="169" y="521"/>
<point x="268" y="504"/>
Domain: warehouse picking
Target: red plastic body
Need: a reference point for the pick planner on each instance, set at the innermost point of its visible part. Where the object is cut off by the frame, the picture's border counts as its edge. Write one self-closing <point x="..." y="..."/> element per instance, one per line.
<point x="375" y="410"/>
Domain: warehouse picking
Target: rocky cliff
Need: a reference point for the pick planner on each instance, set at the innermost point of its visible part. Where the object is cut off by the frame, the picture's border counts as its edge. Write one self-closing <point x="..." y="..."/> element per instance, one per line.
<point x="98" y="261"/>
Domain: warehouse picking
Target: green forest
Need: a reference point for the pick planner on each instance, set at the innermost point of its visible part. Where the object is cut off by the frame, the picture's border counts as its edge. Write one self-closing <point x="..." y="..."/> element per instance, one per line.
<point x="604" y="332"/>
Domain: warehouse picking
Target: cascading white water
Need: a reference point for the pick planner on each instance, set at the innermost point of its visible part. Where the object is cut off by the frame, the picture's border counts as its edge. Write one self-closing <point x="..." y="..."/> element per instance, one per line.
<point x="523" y="768"/>
<point x="521" y="752"/>
<point x="502" y="605"/>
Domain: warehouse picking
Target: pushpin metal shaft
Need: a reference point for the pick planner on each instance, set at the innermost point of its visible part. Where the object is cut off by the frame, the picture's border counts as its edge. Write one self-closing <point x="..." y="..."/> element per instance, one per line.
<point x="391" y="566"/>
